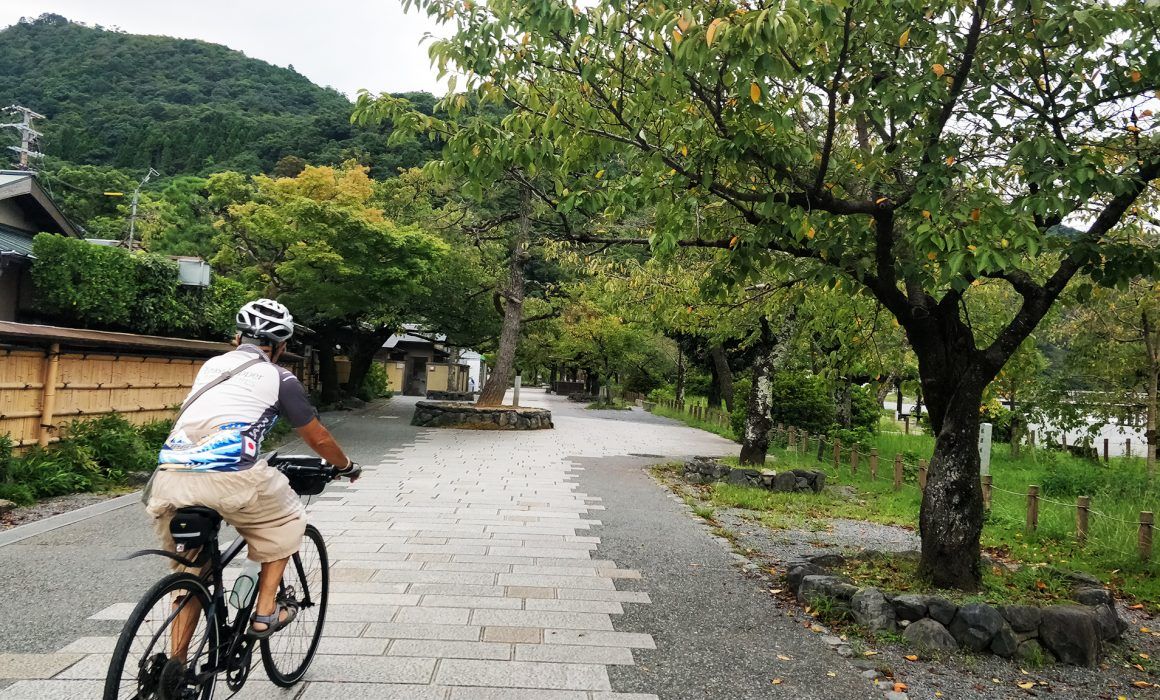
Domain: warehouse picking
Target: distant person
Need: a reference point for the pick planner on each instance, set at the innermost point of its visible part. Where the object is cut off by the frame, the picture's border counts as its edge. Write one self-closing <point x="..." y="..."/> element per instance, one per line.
<point x="471" y="384"/>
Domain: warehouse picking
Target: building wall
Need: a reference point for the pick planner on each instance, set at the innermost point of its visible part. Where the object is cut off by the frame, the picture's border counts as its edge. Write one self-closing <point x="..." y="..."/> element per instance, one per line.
<point x="395" y="375"/>
<point x="9" y="292"/>
<point x="12" y="215"/>
<point x="437" y="377"/>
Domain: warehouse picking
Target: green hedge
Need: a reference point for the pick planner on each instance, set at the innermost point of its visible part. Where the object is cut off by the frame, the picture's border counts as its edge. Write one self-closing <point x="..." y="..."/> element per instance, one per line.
<point x="92" y="286"/>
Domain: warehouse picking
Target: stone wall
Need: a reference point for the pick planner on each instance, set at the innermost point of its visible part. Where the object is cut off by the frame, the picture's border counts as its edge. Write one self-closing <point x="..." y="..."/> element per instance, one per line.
<point x="445" y="414"/>
<point x="705" y="470"/>
<point x="1072" y="634"/>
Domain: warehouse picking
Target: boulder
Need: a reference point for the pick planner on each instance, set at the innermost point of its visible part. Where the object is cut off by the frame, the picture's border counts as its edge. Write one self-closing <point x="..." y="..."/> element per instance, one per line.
<point x="798" y="571"/>
<point x="928" y="635"/>
<point x="831" y="587"/>
<point x="1005" y="642"/>
<point x="6" y="505"/>
<point x="131" y="478"/>
<point x="975" y="625"/>
<point x="1070" y="633"/>
<point x="1079" y="578"/>
<point x="828" y="560"/>
<point x="784" y="482"/>
<point x="1093" y="595"/>
<point x="941" y="610"/>
<point x="873" y="611"/>
<point x="1022" y="618"/>
<point x="1108" y="623"/>
<point x="744" y="477"/>
<point x="910" y="607"/>
<point x="1030" y="650"/>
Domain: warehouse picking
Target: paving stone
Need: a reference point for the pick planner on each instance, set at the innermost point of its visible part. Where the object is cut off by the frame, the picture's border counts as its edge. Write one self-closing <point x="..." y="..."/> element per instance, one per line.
<point x="434" y="616"/>
<point x="597" y="638"/>
<point x="536" y="618"/>
<point x="118" y="611"/>
<point x="361" y="613"/>
<point x="574" y="654"/>
<point x="516" y="694"/>
<point x="530" y="592"/>
<point x="466" y="601"/>
<point x="91" y="667"/>
<point x="350" y="669"/>
<point x="378" y="691"/>
<point x="361" y="646"/>
<point x="523" y="674"/>
<point x="513" y="635"/>
<point x="441" y="649"/>
<point x="381" y="599"/>
<point x="91" y="645"/>
<point x="606" y="607"/>
<point x="35" y="666"/>
<point x="393" y="630"/>
<point x="559" y="582"/>
<point x="53" y="690"/>
<point x="597" y="594"/>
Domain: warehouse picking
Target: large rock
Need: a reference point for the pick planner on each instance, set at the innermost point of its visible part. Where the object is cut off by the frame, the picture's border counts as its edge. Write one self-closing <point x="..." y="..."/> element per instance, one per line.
<point x="928" y="635"/>
<point x="873" y="611"/>
<point x="1094" y="595"/>
<point x="1108" y="623"/>
<point x="941" y="610"/>
<point x="799" y="571"/>
<point x="1022" y="618"/>
<point x="1005" y="643"/>
<point x="975" y="625"/>
<point x="744" y="477"/>
<point x="815" y="587"/>
<point x="785" y="482"/>
<point x="6" y="505"/>
<point x="910" y="607"/>
<point x="445" y="414"/>
<point x="1071" y="634"/>
<point x="1030" y="650"/>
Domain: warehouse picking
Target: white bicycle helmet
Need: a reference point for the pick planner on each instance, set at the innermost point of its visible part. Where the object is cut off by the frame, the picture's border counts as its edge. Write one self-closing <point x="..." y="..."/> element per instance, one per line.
<point x="267" y="319"/>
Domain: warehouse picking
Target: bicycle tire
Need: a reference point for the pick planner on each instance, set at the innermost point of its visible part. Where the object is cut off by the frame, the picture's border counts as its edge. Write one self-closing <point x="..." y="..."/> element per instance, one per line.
<point x="319" y="570"/>
<point x="159" y="593"/>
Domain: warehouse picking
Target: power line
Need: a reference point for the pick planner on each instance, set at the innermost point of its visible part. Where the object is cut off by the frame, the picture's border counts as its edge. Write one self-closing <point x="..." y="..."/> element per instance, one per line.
<point x="28" y="135"/>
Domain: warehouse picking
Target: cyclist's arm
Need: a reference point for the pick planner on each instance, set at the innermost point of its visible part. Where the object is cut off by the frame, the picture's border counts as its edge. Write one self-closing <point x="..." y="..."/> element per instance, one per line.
<point x="294" y="406"/>
<point x="323" y="443"/>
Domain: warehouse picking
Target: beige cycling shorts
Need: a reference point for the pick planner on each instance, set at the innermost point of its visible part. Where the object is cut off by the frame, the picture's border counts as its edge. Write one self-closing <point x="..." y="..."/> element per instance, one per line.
<point x="258" y="502"/>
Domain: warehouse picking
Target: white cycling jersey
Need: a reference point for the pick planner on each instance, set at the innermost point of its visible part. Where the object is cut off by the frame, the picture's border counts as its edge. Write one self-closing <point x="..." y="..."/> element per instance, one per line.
<point x="223" y="429"/>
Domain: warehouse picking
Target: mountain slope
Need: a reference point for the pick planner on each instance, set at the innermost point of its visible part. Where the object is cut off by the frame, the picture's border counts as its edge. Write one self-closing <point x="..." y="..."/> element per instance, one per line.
<point x="179" y="105"/>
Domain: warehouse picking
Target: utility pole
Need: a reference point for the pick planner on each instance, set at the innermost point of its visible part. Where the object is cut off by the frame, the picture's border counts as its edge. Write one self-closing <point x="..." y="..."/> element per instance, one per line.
<point x="136" y="196"/>
<point x="28" y="135"/>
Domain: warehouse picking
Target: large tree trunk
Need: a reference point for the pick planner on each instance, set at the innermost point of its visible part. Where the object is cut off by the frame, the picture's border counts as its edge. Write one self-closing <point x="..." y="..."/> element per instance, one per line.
<point x="758" y="421"/>
<point x="680" y="388"/>
<point x="513" y="310"/>
<point x="713" y="400"/>
<point x="363" y="348"/>
<point x="1152" y="347"/>
<point x="328" y="373"/>
<point x="723" y="374"/>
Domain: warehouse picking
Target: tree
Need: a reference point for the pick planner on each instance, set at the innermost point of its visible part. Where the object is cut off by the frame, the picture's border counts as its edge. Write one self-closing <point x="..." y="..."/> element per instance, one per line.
<point x="911" y="148"/>
<point x="315" y="242"/>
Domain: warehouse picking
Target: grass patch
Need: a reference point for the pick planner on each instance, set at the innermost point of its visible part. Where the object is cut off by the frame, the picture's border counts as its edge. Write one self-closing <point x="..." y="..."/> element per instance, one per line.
<point x="706" y="512"/>
<point x="725" y="431"/>
<point x="613" y="405"/>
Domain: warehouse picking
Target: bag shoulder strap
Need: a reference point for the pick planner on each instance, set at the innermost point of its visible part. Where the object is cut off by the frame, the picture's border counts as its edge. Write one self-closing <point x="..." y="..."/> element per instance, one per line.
<point x="221" y="378"/>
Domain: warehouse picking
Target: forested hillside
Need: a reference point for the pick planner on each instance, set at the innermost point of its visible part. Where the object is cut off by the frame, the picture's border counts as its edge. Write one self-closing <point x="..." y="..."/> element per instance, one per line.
<point x="179" y="105"/>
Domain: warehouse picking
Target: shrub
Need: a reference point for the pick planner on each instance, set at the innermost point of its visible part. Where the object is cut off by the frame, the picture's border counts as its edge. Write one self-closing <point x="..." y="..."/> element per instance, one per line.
<point x="864" y="409"/>
<point x="803" y="401"/>
<point x="55" y="471"/>
<point x="116" y="445"/>
<point x="155" y="433"/>
<point x="1001" y="420"/>
<point x="375" y="385"/>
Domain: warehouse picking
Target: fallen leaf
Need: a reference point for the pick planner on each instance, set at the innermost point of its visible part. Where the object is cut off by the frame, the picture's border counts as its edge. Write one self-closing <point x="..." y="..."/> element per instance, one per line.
<point x="938" y="693"/>
<point x="912" y="657"/>
<point x="1145" y="630"/>
<point x="831" y="674"/>
<point x="776" y="681"/>
<point x="869" y="653"/>
<point x="774" y="591"/>
<point x="1138" y="667"/>
<point x="1026" y="686"/>
<point x="1137" y="606"/>
<point x="900" y="687"/>
<point x="1144" y="656"/>
<point x="1142" y="684"/>
<point x="783" y="657"/>
<point x="996" y="680"/>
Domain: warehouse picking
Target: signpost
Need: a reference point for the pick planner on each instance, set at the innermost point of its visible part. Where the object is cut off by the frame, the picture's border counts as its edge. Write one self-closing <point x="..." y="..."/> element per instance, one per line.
<point x="985" y="448"/>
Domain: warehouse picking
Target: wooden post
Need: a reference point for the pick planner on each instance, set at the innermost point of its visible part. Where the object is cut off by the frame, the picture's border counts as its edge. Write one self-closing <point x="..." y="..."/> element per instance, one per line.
<point x="874" y="463"/>
<point x="1105" y="450"/>
<point x="986" y="492"/>
<point x="1128" y="448"/>
<point x="1146" y="522"/>
<point x="898" y="472"/>
<point x="1032" y="508"/>
<point x="854" y="459"/>
<point x="837" y="454"/>
<point x="922" y="475"/>
<point x="1064" y="440"/>
<point x="792" y="441"/>
<point x="1082" y="506"/>
<point x="906" y="423"/>
<point x="805" y="442"/>
<point x="48" y="394"/>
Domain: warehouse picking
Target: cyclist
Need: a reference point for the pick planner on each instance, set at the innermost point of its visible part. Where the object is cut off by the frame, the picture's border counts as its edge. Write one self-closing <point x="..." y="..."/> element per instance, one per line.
<point x="211" y="459"/>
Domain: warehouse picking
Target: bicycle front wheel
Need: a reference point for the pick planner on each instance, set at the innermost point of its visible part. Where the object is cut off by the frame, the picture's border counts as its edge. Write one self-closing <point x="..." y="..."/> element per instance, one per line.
<point x="168" y="647"/>
<point x="287" y="653"/>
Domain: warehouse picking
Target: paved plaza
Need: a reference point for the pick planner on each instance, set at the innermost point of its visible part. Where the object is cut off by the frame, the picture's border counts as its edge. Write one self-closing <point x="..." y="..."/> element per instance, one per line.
<point x="465" y="565"/>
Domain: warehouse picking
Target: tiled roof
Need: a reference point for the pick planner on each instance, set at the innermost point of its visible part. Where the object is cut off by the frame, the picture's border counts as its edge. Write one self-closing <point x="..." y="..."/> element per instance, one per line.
<point x="14" y="242"/>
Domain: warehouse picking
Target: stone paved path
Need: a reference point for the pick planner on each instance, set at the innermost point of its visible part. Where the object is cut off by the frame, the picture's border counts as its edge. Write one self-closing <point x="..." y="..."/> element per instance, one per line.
<point x="462" y="569"/>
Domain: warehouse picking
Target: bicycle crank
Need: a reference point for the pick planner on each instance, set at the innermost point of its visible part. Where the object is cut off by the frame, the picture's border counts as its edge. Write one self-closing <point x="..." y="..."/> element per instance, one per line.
<point x="239" y="664"/>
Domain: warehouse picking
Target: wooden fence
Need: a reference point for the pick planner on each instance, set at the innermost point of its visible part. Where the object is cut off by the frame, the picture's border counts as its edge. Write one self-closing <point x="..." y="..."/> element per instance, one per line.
<point x="51" y="376"/>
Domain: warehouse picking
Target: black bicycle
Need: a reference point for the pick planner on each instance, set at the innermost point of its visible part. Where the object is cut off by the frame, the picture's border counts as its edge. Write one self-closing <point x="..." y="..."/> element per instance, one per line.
<point x="180" y="637"/>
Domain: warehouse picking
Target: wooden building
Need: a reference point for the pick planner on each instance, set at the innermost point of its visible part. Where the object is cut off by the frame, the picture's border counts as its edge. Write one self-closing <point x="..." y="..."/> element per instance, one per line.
<point x="25" y="210"/>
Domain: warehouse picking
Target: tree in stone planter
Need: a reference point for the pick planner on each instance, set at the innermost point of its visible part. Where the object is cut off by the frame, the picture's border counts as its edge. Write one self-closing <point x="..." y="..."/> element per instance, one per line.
<point x="912" y="148"/>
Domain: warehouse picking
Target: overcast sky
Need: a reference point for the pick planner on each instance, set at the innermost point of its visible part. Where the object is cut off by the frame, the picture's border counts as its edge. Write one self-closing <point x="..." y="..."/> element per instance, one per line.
<point x="345" y="44"/>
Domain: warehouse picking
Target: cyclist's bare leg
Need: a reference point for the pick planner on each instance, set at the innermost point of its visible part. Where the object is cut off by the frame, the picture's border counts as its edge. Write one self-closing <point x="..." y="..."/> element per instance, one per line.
<point x="268" y="580"/>
<point x="184" y="623"/>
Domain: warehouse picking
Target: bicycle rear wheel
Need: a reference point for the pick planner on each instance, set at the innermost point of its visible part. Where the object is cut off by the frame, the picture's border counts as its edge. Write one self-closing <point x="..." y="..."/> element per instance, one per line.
<point x="149" y="662"/>
<point x="287" y="653"/>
